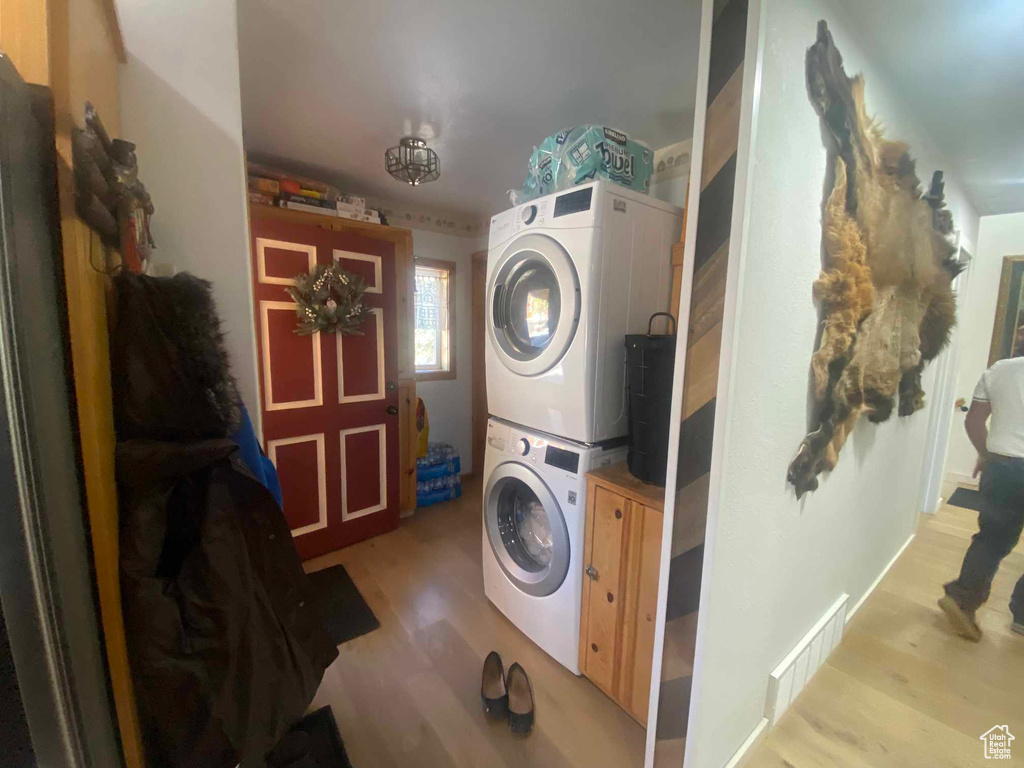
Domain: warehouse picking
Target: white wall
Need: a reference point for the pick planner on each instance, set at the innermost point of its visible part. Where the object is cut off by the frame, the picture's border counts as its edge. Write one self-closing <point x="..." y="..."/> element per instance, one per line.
<point x="671" y="177"/>
<point x="180" y="103"/>
<point x="775" y="564"/>
<point x="450" y="403"/>
<point x="998" y="236"/>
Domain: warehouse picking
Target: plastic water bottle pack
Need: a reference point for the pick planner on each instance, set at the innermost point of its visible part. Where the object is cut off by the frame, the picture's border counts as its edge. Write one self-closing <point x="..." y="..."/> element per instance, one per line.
<point x="438" y="475"/>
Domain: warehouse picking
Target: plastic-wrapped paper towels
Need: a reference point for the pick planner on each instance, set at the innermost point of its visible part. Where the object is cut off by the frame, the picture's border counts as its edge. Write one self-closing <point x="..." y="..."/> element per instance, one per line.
<point x="586" y="153"/>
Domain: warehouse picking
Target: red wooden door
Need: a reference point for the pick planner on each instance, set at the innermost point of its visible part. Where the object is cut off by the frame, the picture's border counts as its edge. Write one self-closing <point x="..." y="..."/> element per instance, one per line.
<point x="329" y="402"/>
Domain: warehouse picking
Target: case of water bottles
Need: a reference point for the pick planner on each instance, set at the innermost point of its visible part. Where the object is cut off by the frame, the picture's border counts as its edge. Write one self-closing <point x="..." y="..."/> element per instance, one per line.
<point x="438" y="475"/>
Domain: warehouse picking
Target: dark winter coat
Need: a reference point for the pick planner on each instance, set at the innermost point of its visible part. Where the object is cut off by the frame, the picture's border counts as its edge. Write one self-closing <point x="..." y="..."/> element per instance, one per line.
<point x="225" y="644"/>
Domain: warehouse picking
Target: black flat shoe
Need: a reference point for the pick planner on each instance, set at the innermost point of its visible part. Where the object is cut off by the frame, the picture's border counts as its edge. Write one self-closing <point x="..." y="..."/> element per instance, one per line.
<point x="520" y="700"/>
<point x="492" y="687"/>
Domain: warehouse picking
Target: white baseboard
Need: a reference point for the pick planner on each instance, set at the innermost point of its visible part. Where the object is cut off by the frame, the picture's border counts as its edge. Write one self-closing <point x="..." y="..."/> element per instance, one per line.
<point x="792" y="673"/>
<point x="881" y="576"/>
<point x="788" y="679"/>
<point x="752" y="741"/>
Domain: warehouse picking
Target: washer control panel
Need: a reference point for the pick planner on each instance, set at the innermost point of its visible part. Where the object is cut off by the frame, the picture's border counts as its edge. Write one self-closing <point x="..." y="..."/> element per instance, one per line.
<point x="532" y="448"/>
<point x="525" y="445"/>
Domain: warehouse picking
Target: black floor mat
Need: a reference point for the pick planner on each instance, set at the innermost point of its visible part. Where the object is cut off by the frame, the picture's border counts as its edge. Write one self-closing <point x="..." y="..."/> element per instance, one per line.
<point x="966" y="498"/>
<point x="313" y="742"/>
<point x="14" y="733"/>
<point x="346" y="614"/>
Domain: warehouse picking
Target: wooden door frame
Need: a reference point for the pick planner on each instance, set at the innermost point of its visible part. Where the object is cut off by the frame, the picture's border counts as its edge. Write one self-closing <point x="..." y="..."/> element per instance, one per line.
<point x="478" y="318"/>
<point x="47" y="41"/>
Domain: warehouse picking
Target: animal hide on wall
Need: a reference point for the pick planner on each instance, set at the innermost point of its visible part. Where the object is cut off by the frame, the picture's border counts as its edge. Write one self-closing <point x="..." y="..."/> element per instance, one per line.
<point x="886" y="287"/>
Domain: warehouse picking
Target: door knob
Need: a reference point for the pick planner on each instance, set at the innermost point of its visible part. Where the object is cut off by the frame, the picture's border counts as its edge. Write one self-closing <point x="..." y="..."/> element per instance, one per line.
<point x="392" y="410"/>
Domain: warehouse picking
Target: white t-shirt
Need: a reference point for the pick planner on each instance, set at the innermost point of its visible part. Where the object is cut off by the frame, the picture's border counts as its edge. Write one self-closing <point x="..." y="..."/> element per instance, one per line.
<point x="1002" y="387"/>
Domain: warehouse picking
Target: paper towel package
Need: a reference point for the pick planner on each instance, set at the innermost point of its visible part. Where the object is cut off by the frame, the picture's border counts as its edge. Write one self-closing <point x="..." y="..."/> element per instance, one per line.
<point x="582" y="154"/>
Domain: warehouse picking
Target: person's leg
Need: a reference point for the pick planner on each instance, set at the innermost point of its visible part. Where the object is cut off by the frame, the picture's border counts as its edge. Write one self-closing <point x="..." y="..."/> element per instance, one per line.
<point x="1017" y="606"/>
<point x="999" y="528"/>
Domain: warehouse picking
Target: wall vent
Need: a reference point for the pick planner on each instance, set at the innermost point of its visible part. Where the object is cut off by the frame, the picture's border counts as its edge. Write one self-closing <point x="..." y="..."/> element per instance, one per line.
<point x="790" y="677"/>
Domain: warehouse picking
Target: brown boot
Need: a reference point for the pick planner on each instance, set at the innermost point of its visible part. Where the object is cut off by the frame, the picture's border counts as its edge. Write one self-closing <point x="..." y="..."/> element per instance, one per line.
<point x="963" y="621"/>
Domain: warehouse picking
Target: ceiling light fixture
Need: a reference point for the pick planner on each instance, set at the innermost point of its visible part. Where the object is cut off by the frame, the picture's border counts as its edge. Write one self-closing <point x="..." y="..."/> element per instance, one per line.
<point x="412" y="161"/>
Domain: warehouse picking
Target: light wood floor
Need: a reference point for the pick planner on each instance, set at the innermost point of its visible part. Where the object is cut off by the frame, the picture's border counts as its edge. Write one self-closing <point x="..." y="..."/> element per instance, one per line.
<point x="408" y="694"/>
<point x="902" y="690"/>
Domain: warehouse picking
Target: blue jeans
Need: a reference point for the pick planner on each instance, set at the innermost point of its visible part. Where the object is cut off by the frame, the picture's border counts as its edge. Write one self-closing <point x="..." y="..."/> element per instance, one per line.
<point x="999" y="527"/>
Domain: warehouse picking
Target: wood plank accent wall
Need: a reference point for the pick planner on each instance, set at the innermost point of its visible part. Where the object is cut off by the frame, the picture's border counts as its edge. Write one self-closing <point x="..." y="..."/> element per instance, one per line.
<point x="704" y="343"/>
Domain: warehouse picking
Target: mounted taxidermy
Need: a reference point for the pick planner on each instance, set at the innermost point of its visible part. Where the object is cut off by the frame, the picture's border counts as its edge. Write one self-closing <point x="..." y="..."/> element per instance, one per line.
<point x="886" y="287"/>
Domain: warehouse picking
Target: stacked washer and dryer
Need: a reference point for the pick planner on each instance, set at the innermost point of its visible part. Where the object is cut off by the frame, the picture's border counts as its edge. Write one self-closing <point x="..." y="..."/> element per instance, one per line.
<point x="568" y="276"/>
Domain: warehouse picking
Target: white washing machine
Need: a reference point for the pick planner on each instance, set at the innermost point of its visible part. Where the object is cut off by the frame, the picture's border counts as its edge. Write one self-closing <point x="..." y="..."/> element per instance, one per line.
<point x="534" y="512"/>
<point x="568" y="276"/>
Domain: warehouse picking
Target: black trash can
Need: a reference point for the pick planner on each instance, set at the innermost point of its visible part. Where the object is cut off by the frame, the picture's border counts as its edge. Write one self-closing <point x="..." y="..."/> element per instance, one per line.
<point x="650" y="360"/>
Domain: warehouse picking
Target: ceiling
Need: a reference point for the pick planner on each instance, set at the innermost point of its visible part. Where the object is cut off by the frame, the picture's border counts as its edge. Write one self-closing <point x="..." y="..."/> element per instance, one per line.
<point x="960" y="66"/>
<point x="327" y="87"/>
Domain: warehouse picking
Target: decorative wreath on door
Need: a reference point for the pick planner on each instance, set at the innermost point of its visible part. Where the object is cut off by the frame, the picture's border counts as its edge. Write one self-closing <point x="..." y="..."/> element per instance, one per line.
<point x="329" y="299"/>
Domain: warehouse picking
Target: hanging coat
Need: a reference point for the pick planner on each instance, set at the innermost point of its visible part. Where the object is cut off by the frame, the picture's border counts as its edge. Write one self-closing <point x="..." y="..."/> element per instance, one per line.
<point x="225" y="644"/>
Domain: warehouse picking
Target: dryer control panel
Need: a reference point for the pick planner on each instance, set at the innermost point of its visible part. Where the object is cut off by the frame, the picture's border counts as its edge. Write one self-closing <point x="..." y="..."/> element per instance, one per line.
<point x="531" y="448"/>
<point x="570" y="209"/>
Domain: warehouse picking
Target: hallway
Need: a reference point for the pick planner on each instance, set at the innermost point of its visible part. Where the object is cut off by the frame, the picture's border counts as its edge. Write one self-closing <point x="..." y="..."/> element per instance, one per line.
<point x="902" y="690"/>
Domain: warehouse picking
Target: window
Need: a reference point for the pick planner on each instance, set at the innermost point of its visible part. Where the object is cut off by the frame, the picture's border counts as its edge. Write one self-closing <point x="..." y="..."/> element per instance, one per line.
<point x="435" y="319"/>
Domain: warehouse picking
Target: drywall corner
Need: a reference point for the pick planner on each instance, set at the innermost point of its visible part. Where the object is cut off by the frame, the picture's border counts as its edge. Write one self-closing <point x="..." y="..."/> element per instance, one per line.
<point x="181" y="106"/>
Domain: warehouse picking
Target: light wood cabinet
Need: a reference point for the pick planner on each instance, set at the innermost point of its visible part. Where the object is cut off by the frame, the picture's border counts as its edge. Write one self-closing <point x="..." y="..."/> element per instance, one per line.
<point x="622" y="555"/>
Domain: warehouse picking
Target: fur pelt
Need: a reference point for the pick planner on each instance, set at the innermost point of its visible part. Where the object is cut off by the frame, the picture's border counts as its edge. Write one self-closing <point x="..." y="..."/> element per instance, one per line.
<point x="886" y="287"/>
<point x="170" y="370"/>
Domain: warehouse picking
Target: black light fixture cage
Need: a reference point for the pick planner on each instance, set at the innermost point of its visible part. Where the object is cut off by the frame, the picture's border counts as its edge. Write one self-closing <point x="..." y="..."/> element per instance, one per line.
<point x="412" y="161"/>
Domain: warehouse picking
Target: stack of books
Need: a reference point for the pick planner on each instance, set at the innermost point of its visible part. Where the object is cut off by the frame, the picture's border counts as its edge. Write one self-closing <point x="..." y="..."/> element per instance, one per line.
<point x="269" y="186"/>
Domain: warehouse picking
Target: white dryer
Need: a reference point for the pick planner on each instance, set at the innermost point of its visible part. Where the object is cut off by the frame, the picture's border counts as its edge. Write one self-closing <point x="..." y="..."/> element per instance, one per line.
<point x="534" y="513"/>
<point x="568" y="276"/>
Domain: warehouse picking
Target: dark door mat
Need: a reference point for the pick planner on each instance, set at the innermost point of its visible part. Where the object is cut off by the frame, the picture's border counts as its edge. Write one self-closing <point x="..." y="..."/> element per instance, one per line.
<point x="313" y="742"/>
<point x="14" y="733"/>
<point x="967" y="498"/>
<point x="346" y="614"/>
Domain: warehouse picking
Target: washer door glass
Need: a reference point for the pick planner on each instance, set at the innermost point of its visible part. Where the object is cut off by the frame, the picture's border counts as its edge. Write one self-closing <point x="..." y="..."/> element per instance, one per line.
<point x="534" y="296"/>
<point x="529" y="307"/>
<point x="526" y="529"/>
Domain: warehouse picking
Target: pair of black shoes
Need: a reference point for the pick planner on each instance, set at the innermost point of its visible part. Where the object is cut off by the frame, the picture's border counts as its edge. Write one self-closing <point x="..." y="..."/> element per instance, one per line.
<point x="507" y="696"/>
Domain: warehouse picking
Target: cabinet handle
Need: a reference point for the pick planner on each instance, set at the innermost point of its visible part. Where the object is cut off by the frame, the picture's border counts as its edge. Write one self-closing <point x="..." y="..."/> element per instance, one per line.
<point x="618" y="514"/>
<point x="593" y="647"/>
<point x="591" y="571"/>
<point x="611" y="598"/>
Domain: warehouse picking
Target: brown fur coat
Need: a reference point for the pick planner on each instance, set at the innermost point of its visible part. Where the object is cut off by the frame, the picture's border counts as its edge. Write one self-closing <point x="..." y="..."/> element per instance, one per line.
<point x="885" y="291"/>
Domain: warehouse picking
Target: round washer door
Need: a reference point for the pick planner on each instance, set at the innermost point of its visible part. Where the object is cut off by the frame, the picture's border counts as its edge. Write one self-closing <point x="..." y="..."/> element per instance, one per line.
<point x="526" y="529"/>
<point x="534" y="296"/>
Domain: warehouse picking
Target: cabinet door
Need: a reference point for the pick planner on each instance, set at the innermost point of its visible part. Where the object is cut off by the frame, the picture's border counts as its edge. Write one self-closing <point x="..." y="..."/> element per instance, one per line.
<point x="646" y="573"/>
<point x="604" y="617"/>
